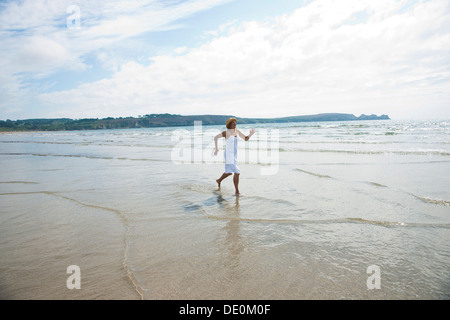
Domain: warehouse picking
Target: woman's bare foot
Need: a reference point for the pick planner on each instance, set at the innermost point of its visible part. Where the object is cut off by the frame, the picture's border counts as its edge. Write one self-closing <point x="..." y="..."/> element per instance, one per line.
<point x="218" y="183"/>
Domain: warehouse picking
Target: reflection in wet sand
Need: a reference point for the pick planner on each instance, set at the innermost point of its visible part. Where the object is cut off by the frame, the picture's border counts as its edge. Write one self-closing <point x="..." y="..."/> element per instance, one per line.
<point x="232" y="244"/>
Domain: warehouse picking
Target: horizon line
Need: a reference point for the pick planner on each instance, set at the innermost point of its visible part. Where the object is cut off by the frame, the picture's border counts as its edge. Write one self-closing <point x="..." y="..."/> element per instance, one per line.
<point x="191" y="115"/>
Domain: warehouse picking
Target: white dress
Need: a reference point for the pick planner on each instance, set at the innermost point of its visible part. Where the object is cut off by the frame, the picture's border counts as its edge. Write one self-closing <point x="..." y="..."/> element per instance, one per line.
<point x="231" y="155"/>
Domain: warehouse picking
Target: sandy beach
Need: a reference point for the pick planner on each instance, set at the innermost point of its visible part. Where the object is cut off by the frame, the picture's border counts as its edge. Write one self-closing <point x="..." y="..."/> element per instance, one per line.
<point x="343" y="199"/>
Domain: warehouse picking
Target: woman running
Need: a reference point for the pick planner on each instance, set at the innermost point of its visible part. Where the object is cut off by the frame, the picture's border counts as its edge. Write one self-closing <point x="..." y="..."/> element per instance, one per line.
<point x="231" y="139"/>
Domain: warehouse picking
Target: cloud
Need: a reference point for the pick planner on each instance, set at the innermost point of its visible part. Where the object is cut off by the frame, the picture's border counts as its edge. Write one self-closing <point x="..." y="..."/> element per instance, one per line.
<point x="37" y="42"/>
<point x="309" y="61"/>
<point x="328" y="56"/>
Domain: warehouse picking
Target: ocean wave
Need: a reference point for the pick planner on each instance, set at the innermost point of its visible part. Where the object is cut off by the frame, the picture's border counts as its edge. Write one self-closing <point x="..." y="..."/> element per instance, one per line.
<point x="377" y="184"/>
<point x="341" y="142"/>
<point x="37" y="142"/>
<point x="373" y="152"/>
<point x="349" y="220"/>
<point x="18" y="182"/>
<point x="433" y="201"/>
<point x="79" y="156"/>
<point x="313" y="173"/>
<point x="107" y="143"/>
<point x="332" y="126"/>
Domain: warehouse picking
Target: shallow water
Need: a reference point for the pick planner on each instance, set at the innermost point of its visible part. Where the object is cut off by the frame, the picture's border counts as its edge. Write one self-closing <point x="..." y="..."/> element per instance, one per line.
<point x="139" y="212"/>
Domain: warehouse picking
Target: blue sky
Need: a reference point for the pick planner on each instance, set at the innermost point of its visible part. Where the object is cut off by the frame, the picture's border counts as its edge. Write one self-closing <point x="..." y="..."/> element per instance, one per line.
<point x="249" y="58"/>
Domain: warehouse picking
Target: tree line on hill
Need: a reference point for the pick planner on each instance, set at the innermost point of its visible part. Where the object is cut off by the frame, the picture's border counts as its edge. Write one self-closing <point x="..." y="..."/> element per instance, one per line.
<point x="163" y="120"/>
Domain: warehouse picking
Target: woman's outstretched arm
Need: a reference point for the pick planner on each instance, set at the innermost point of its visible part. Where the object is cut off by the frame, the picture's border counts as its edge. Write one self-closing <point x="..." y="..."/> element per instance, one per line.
<point x="246" y="138"/>
<point x="216" y="139"/>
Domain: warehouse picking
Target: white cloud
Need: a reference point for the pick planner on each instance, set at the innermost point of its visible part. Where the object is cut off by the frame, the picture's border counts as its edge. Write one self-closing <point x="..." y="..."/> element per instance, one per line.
<point x="37" y="43"/>
<point x="181" y="50"/>
<point x="41" y="53"/>
<point x="307" y="62"/>
<point x="320" y="58"/>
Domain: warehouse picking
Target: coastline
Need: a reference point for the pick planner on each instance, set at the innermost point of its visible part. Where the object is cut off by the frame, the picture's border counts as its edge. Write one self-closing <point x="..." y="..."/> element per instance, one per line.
<point x="165" y="120"/>
<point x="31" y="131"/>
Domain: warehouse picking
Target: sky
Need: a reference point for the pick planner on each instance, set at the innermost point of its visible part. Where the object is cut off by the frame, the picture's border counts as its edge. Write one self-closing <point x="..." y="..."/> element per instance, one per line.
<point x="248" y="58"/>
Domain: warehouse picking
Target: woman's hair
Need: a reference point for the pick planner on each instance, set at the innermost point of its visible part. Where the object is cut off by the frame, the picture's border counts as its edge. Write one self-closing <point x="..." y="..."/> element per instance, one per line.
<point x="229" y="121"/>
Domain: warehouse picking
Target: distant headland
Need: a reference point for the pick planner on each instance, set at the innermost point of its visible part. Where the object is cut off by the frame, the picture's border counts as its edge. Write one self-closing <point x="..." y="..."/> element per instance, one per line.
<point x="164" y="120"/>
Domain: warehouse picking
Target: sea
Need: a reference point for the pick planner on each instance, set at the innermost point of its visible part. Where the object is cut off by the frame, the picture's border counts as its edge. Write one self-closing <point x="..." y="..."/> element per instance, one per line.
<point x="354" y="210"/>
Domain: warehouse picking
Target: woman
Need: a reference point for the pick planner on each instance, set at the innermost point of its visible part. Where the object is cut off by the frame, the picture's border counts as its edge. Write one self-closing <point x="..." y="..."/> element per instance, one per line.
<point x="231" y="139"/>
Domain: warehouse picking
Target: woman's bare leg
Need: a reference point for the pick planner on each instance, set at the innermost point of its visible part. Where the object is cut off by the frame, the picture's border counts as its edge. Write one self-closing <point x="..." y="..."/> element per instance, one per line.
<point x="225" y="175"/>
<point x="236" y="182"/>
